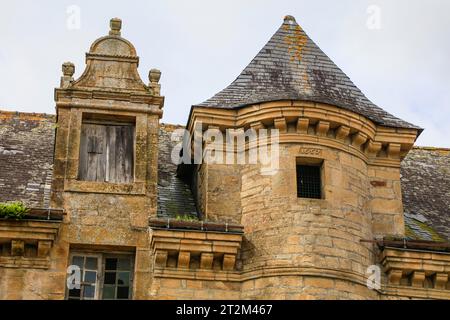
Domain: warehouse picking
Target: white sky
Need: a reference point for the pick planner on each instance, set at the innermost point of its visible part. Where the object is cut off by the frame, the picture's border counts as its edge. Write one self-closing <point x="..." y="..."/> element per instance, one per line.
<point x="201" y="46"/>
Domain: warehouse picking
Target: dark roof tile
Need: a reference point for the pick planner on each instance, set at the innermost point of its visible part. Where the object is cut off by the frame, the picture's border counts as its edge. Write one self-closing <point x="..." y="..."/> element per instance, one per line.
<point x="426" y="192"/>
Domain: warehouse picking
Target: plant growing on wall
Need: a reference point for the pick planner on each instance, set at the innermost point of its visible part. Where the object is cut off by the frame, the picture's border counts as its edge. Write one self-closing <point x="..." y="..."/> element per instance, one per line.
<point x="13" y="210"/>
<point x="186" y="218"/>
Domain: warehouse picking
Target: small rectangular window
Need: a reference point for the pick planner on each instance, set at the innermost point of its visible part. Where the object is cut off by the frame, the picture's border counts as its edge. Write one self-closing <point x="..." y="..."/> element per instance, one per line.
<point x="106" y="151"/>
<point x="309" y="181"/>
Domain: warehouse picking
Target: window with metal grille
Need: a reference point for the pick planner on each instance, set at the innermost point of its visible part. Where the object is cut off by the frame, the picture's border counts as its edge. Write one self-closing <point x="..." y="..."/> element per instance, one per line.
<point x="309" y="181"/>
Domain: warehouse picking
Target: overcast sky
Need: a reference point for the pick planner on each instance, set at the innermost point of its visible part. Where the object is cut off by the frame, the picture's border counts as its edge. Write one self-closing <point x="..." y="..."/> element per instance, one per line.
<point x="396" y="51"/>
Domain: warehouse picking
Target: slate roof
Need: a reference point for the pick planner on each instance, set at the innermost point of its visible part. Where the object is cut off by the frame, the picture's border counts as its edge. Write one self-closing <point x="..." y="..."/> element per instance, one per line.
<point x="426" y="193"/>
<point x="292" y="67"/>
<point x="174" y="195"/>
<point x="26" y="157"/>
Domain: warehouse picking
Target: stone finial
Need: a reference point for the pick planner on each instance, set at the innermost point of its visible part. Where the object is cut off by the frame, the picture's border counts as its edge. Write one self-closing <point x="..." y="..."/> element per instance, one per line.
<point x="289" y="19"/>
<point x="153" y="76"/>
<point x="115" y="24"/>
<point x="68" y="70"/>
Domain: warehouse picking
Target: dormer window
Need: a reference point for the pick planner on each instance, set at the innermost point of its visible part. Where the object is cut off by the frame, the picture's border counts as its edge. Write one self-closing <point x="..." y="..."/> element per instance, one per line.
<point x="107" y="149"/>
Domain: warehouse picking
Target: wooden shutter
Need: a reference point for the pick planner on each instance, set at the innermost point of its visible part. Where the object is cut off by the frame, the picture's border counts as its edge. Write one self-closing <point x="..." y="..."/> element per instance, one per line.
<point x="92" y="165"/>
<point x="120" y="154"/>
<point x="107" y="153"/>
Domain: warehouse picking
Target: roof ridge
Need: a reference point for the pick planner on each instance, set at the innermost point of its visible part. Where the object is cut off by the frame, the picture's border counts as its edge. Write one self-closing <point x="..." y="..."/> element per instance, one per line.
<point x="431" y="148"/>
<point x="23" y="113"/>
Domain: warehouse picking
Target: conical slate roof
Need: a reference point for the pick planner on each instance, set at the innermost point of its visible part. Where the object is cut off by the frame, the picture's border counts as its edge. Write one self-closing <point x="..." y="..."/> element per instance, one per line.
<point x="292" y="67"/>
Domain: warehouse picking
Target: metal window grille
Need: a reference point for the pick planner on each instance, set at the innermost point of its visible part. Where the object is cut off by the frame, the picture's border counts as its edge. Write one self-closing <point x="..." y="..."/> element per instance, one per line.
<point x="308" y="182"/>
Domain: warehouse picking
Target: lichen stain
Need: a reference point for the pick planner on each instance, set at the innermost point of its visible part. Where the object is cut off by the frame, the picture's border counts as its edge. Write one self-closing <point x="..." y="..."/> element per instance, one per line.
<point x="296" y="41"/>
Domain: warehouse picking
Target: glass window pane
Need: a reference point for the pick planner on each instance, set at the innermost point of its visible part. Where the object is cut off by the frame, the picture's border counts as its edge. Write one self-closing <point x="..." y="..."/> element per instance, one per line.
<point x="78" y="261"/>
<point x="123" y="278"/>
<point x="90" y="276"/>
<point x="122" y="292"/>
<point x="74" y="293"/>
<point x="109" y="292"/>
<point x="111" y="263"/>
<point x="91" y="263"/>
<point x="89" y="291"/>
<point x="110" y="278"/>
<point x="124" y="264"/>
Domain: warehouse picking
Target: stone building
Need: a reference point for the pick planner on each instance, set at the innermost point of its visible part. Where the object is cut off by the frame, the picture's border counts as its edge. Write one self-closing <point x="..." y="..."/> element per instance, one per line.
<point x="351" y="195"/>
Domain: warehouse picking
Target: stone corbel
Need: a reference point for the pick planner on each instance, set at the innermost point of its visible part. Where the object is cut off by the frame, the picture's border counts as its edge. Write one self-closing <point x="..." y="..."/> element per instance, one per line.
<point x="257" y="125"/>
<point x="342" y="132"/>
<point x="184" y="259"/>
<point x="394" y="277"/>
<point x="17" y="247"/>
<point x="280" y="124"/>
<point x="417" y="279"/>
<point x="372" y="148"/>
<point x="302" y="125"/>
<point x="359" y="139"/>
<point x="206" y="260"/>
<point x="161" y="258"/>
<point x="229" y="260"/>
<point x="440" y="281"/>
<point x="44" y="248"/>
<point x="322" y="128"/>
<point x="393" y="150"/>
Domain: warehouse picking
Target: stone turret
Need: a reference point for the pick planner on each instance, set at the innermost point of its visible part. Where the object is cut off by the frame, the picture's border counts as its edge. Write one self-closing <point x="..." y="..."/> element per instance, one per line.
<point x="338" y="180"/>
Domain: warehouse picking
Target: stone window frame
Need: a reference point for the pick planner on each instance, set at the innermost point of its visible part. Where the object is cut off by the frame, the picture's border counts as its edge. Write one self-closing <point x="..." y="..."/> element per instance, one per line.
<point x="137" y="187"/>
<point x="312" y="161"/>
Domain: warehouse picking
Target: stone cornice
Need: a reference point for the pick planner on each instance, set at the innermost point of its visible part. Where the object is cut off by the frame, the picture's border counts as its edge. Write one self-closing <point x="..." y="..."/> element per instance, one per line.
<point x="39" y="233"/>
<point x="417" y="269"/>
<point x="66" y="95"/>
<point x="316" y="123"/>
<point x="208" y="246"/>
<point x="119" y="58"/>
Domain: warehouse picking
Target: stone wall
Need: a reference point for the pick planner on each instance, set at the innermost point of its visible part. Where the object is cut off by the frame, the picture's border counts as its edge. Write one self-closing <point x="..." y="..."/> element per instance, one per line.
<point x="286" y="234"/>
<point x="386" y="201"/>
<point x="218" y="190"/>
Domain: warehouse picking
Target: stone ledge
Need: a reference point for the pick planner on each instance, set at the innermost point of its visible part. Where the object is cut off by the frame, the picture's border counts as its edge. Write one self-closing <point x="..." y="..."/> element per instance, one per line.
<point x="136" y="188"/>
<point x="420" y="269"/>
<point x="414" y="293"/>
<point x="27" y="243"/>
<point x="23" y="262"/>
<point x="193" y="250"/>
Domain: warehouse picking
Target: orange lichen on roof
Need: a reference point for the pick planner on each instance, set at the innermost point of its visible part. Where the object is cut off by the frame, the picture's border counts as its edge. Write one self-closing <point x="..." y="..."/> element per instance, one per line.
<point x="8" y="115"/>
<point x="296" y="40"/>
